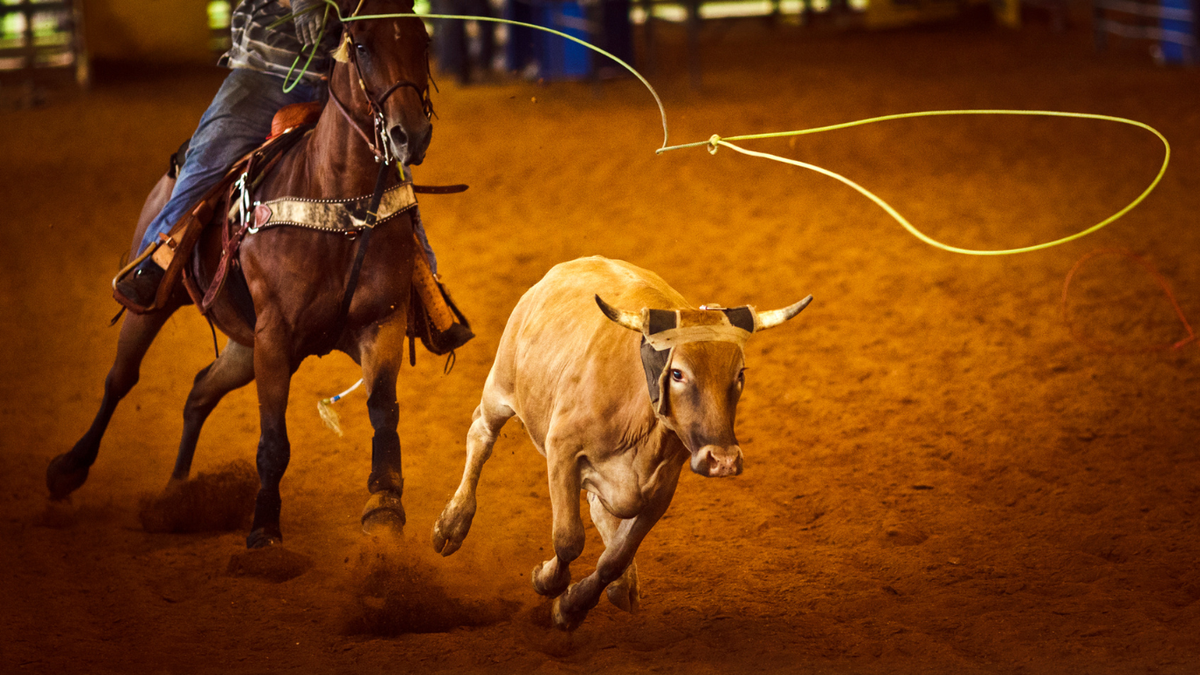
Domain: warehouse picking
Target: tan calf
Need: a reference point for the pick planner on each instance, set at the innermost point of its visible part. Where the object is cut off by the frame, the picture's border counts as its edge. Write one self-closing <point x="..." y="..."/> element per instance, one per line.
<point x="617" y="402"/>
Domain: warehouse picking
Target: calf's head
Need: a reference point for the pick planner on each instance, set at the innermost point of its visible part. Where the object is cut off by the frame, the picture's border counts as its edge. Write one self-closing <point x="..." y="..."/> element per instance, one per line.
<point x="695" y="372"/>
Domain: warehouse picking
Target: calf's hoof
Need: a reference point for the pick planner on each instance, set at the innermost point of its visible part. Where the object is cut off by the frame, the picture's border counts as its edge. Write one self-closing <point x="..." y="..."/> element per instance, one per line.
<point x="63" y="476"/>
<point x="264" y="537"/>
<point x="383" y="514"/>
<point x="451" y="529"/>
<point x="624" y="595"/>
<point x="564" y="620"/>
<point x="551" y="587"/>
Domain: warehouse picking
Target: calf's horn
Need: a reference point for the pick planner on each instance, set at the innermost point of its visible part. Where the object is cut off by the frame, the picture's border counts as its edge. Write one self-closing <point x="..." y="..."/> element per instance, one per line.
<point x="630" y="320"/>
<point x="774" y="317"/>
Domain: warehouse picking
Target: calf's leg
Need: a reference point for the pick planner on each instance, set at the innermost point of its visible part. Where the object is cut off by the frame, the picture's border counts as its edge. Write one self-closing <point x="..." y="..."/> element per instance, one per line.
<point x="454" y="523"/>
<point x="553" y="576"/>
<point x="624" y="592"/>
<point x="572" y="607"/>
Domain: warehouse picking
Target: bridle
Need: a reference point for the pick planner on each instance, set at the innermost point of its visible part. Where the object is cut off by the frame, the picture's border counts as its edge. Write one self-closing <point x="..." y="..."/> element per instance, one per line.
<point x="378" y="141"/>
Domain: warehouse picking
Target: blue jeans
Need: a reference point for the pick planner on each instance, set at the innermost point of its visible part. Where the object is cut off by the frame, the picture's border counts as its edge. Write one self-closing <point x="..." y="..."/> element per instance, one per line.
<point x="237" y="121"/>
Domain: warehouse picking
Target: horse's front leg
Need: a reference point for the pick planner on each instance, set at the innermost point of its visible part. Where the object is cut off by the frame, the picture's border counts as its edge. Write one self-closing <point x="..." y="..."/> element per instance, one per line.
<point x="382" y="351"/>
<point x="273" y="367"/>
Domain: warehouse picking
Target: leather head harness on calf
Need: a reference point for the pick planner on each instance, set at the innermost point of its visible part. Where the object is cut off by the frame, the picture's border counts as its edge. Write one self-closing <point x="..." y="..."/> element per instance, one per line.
<point x="665" y="329"/>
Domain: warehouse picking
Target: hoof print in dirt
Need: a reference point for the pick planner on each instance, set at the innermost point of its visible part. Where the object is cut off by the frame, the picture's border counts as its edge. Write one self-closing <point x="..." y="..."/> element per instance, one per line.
<point x="401" y="594"/>
<point x="903" y="534"/>
<point x="217" y="501"/>
<point x="58" y="515"/>
<point x="274" y="563"/>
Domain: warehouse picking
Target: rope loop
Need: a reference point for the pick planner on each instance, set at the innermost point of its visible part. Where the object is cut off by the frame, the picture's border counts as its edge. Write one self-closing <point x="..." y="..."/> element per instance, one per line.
<point x="715" y="141"/>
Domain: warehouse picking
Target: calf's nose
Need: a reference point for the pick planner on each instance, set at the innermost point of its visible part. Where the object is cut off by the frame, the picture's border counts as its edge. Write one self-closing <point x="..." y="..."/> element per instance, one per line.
<point x="715" y="461"/>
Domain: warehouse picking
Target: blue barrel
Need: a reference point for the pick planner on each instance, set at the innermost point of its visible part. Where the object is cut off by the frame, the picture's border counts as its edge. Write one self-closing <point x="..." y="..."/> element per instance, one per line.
<point x="561" y="58"/>
<point x="1175" y="22"/>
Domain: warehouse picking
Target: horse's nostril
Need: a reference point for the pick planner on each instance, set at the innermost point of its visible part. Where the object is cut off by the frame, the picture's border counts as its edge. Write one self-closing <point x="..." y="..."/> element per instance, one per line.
<point x="399" y="138"/>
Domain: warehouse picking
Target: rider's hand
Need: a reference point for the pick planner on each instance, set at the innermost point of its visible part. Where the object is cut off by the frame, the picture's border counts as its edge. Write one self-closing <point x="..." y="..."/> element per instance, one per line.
<point x="308" y="24"/>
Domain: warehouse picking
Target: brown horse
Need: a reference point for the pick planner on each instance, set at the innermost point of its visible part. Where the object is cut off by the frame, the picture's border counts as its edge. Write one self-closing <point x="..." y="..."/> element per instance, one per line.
<point x="298" y="278"/>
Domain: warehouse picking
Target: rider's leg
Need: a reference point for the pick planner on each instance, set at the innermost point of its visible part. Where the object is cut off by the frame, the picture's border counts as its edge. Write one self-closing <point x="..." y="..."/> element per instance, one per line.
<point x="237" y="121"/>
<point x="445" y="333"/>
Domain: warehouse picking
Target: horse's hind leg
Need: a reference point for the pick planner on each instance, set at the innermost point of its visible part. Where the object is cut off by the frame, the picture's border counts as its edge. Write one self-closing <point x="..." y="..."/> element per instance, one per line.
<point x="233" y="369"/>
<point x="68" y="471"/>
<point x="381" y="362"/>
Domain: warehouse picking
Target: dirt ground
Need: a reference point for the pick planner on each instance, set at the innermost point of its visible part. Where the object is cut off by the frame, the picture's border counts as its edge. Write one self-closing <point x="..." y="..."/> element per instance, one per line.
<point x="939" y="476"/>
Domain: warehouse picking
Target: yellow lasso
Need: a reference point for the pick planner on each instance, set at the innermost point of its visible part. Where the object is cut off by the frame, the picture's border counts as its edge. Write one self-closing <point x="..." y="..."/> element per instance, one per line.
<point x="716" y="141"/>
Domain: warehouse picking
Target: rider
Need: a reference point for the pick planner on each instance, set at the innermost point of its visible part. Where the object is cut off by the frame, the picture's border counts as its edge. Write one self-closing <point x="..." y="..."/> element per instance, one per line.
<point x="238" y="120"/>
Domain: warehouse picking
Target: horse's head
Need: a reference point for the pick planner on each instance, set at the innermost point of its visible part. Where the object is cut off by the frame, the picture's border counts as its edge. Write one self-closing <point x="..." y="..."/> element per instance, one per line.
<point x="384" y="65"/>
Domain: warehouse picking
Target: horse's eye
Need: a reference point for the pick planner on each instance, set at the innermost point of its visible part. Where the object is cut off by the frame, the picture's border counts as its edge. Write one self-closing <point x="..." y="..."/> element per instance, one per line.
<point x="362" y="49"/>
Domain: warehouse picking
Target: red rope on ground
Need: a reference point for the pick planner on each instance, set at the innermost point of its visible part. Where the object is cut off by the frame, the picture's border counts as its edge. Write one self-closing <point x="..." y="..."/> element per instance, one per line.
<point x="1162" y="282"/>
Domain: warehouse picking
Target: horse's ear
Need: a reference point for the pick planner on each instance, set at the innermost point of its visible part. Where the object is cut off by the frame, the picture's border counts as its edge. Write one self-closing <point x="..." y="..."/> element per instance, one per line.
<point x="342" y="53"/>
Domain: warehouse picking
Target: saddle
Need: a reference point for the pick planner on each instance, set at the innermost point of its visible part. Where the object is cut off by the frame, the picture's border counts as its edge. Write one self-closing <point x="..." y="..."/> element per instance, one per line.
<point x="430" y="304"/>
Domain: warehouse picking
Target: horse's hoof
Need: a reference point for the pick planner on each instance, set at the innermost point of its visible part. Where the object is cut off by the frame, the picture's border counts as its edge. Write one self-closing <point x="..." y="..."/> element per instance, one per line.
<point x="262" y="538"/>
<point x="563" y="620"/>
<point x="63" y="477"/>
<point x="383" y="514"/>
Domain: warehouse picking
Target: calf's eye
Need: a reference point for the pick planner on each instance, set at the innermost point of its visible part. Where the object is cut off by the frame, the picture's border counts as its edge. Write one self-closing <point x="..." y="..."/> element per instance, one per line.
<point x="677" y="375"/>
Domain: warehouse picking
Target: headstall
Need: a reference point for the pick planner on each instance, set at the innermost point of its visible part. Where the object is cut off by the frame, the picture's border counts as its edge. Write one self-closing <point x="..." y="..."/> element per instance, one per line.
<point x="378" y="145"/>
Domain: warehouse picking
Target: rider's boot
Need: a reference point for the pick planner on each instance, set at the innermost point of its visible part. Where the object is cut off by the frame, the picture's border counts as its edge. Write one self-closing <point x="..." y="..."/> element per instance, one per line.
<point x="138" y="289"/>
<point x="445" y="329"/>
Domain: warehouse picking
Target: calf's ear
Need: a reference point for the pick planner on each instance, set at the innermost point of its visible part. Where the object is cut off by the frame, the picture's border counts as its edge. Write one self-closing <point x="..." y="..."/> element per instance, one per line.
<point x="630" y="320"/>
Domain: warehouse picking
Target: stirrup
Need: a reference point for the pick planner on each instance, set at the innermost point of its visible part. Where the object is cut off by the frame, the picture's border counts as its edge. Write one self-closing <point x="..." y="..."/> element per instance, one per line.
<point x="135" y="263"/>
<point x="438" y="342"/>
<point x="131" y="268"/>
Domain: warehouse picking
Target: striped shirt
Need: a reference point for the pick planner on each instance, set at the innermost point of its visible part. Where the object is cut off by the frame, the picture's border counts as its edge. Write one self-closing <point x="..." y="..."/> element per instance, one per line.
<point x="257" y="46"/>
